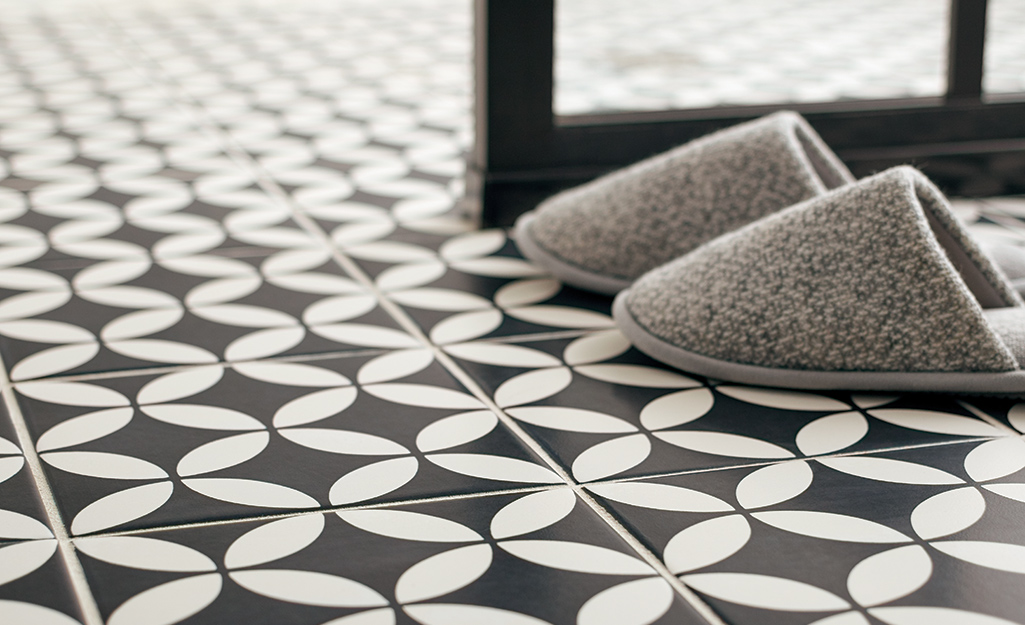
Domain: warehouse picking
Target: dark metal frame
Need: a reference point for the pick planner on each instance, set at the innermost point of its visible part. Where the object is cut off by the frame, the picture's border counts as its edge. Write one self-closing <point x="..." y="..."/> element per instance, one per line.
<point x="968" y="144"/>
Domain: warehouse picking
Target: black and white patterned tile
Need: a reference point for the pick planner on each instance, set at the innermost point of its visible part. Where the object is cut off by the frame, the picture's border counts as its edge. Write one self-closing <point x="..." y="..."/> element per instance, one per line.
<point x="606" y="411"/>
<point x="913" y="536"/>
<point x="527" y="559"/>
<point x="34" y="584"/>
<point x="262" y="437"/>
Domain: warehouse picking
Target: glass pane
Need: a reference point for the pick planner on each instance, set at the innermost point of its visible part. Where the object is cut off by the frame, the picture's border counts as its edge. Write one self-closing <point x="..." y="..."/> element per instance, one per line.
<point x="1005" y="47"/>
<point x="670" y="54"/>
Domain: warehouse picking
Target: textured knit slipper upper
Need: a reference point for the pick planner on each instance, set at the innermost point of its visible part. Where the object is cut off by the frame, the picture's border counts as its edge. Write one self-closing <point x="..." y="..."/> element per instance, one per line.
<point x="603" y="235"/>
<point x="874" y="286"/>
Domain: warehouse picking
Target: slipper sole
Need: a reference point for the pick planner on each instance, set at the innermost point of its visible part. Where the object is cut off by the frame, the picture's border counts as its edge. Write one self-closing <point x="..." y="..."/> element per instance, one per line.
<point x="566" y="272"/>
<point x="1005" y="383"/>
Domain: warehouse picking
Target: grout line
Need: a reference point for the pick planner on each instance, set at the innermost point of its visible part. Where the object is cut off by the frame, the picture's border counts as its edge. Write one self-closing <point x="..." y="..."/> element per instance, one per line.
<point x="988" y="418"/>
<point x="328" y="510"/>
<point x="690" y="597"/>
<point x="766" y="463"/>
<point x="76" y="574"/>
<point x="226" y="364"/>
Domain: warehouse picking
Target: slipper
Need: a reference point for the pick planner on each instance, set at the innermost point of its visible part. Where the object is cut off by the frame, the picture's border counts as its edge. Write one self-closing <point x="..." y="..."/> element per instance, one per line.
<point x="603" y="235"/>
<point x="874" y="286"/>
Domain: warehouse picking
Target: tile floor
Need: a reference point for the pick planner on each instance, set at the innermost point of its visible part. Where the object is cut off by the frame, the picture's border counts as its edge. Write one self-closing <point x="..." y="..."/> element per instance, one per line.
<point x="256" y="371"/>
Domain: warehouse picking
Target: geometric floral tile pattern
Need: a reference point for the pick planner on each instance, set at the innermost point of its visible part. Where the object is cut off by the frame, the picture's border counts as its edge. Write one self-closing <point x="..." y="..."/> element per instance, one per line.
<point x="912" y="536"/>
<point x="463" y="561"/>
<point x="606" y="411"/>
<point x="225" y="229"/>
<point x="201" y="309"/>
<point x="254" y="438"/>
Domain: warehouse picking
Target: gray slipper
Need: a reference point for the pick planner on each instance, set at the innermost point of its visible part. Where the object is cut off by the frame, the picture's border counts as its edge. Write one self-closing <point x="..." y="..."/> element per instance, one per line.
<point x="873" y="286"/>
<point x="603" y="235"/>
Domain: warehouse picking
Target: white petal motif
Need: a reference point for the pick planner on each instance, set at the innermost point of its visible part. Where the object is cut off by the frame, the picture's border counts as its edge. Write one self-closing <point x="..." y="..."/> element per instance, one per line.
<point x="706" y="543"/>
<point x="532" y="512"/>
<point x="466" y="326"/>
<point x="639" y="602"/>
<point x="677" y="408"/>
<point x="179" y="385"/>
<point x="412" y="275"/>
<point x="914" y="615"/>
<point x="77" y="394"/>
<point x="103" y="464"/>
<point x="264" y="343"/>
<point x="764" y="591"/>
<point x="844" y="618"/>
<point x="457" y="614"/>
<point x="141" y="323"/>
<point x="532" y="386"/>
<point x="503" y="355"/>
<point x="661" y="497"/>
<point x="448" y="300"/>
<point x="156" y="350"/>
<point x="774" y="484"/>
<point x="611" y="457"/>
<point x="274" y="540"/>
<point x="995" y="459"/>
<point x="784" y="400"/>
<point x="343" y="442"/>
<point x="364" y="335"/>
<point x="595" y="348"/>
<point x="121" y="507"/>
<point x="937" y="422"/>
<point x="579" y="557"/>
<point x="17" y="526"/>
<point x="406" y="525"/>
<point x="21" y="613"/>
<point x="45" y="331"/>
<point x="526" y="292"/>
<point x="889" y="575"/>
<point x="169" y="603"/>
<point x="456" y="430"/>
<point x="394" y="366"/>
<point x="473" y="245"/>
<point x="251" y="493"/>
<point x="561" y="317"/>
<point x="636" y="375"/>
<point x="831" y="526"/>
<point x="889" y="470"/>
<point x="832" y="433"/>
<point x="948" y="512"/>
<point x="291" y="374"/>
<point x="309" y="588"/>
<point x="88" y="427"/>
<point x="1000" y="556"/>
<point x="724" y="444"/>
<point x="20" y="559"/>
<point x="202" y="417"/>
<point x="424" y="396"/>
<point x="498" y="468"/>
<point x="1016" y="417"/>
<point x="373" y="480"/>
<point x="54" y="360"/>
<point x="148" y="554"/>
<point x="223" y="453"/>
<point x="443" y="573"/>
<point x="571" y="419"/>
<point x="1011" y="491"/>
<point x="380" y="616"/>
<point x="314" y="407"/>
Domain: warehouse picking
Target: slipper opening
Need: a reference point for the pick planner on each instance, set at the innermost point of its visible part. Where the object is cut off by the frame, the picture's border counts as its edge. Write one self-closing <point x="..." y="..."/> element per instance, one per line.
<point x="830" y="170"/>
<point x="975" y="277"/>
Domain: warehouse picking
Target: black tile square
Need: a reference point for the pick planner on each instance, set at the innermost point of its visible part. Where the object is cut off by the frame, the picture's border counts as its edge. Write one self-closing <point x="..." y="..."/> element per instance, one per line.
<point x="922" y="535"/>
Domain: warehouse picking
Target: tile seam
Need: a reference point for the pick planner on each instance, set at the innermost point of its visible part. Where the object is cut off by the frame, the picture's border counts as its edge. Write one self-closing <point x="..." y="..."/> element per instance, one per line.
<point x="76" y="574"/>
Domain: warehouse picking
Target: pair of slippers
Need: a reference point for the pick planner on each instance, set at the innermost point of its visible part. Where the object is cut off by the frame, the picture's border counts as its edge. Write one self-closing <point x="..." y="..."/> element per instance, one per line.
<point x="752" y="255"/>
